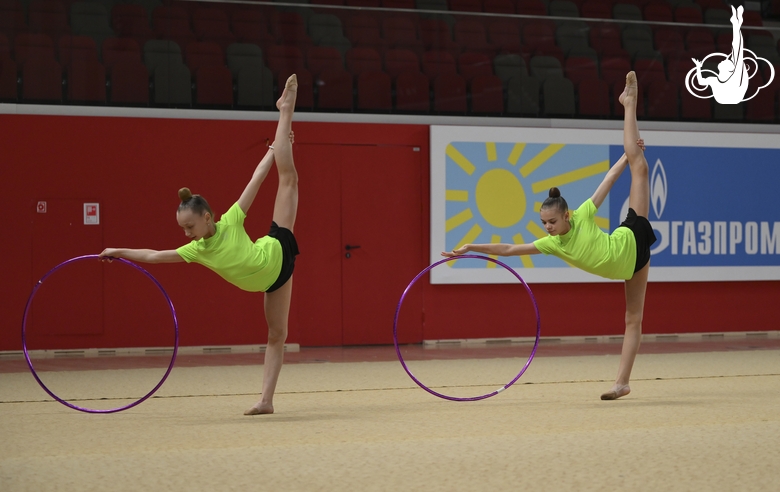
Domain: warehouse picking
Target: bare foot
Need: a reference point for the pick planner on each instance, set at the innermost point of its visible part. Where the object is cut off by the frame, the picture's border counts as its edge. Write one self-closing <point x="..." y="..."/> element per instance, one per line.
<point x="631" y="88"/>
<point x="260" y="409"/>
<point x="616" y="392"/>
<point x="290" y="86"/>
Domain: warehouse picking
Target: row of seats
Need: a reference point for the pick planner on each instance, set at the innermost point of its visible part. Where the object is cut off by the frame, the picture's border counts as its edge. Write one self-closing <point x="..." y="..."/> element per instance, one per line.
<point x="261" y="25"/>
<point x="590" y="53"/>
<point x="498" y="36"/>
<point x="545" y="93"/>
<point x="280" y="58"/>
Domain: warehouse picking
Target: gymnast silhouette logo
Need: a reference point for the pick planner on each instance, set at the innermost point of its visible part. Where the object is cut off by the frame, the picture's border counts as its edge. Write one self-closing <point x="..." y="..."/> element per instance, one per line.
<point x="735" y="70"/>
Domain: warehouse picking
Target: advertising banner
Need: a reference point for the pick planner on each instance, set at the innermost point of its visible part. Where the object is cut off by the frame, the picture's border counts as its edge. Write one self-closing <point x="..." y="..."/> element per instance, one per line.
<point x="713" y="199"/>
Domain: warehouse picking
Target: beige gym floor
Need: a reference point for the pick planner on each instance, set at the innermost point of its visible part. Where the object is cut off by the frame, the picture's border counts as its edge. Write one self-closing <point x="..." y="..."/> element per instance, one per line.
<point x="700" y="420"/>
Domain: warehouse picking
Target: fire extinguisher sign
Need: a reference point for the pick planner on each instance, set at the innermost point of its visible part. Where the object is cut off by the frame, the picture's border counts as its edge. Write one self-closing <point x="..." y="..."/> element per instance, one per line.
<point x="91" y="213"/>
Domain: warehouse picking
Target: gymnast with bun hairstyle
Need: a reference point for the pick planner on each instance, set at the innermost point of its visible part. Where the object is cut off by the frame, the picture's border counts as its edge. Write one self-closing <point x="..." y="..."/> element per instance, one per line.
<point x="265" y="265"/>
<point x="575" y="237"/>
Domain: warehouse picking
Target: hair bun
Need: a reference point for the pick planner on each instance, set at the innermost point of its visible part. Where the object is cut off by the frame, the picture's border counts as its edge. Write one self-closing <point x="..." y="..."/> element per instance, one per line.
<point x="554" y="192"/>
<point x="185" y="195"/>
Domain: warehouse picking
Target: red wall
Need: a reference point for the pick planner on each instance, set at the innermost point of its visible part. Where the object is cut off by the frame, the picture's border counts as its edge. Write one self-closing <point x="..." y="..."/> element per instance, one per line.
<point x="133" y="168"/>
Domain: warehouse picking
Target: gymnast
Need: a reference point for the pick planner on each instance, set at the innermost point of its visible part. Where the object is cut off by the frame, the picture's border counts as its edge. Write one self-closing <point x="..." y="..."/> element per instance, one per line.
<point x="265" y="265"/>
<point x="575" y="237"/>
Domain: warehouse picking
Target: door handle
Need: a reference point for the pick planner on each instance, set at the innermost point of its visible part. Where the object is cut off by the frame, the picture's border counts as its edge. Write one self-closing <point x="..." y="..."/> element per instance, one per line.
<point x="348" y="247"/>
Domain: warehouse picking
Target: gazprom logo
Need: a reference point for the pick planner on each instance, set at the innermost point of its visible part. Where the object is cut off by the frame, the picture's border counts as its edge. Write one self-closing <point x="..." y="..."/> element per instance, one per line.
<point x="708" y="237"/>
<point x="658" y="188"/>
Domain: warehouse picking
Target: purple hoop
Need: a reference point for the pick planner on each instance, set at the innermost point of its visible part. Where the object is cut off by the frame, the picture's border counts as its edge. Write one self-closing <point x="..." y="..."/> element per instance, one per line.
<point x="473" y="398"/>
<point x="27" y="355"/>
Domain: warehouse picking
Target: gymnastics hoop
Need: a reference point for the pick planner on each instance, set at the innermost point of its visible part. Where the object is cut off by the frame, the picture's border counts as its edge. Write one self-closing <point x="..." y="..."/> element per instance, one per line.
<point x="472" y="398"/>
<point x="27" y="355"/>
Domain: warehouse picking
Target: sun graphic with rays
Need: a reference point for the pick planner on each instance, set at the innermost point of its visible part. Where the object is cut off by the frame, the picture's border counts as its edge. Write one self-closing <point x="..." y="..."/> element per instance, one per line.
<point x="492" y="189"/>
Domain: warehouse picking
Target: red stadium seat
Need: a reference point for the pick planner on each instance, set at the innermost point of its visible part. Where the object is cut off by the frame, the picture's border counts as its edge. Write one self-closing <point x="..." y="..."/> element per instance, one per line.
<point x="465" y="5"/>
<point x="131" y="21"/>
<point x="42" y="80"/>
<point x="13" y="19"/>
<point x="578" y="69"/>
<point x="649" y="70"/>
<point x="210" y="22"/>
<point x="48" y="17"/>
<point x="471" y="64"/>
<point x="449" y="94"/>
<point x="412" y="92"/>
<point x="614" y="69"/>
<point x="537" y="36"/>
<point x="321" y="58"/>
<point x="762" y="107"/>
<point x="120" y="49"/>
<point x="471" y="36"/>
<point x="33" y="46"/>
<point x="700" y="39"/>
<point x="593" y="95"/>
<point x="129" y="81"/>
<point x="290" y="28"/>
<point x="595" y="9"/>
<point x="251" y="26"/>
<point x="504" y="35"/>
<point x="400" y="32"/>
<point x="86" y="81"/>
<point x="668" y="41"/>
<point x="694" y="108"/>
<point x="77" y="47"/>
<point x="173" y="23"/>
<point x="361" y="60"/>
<point x="487" y="95"/>
<point x="435" y="35"/>
<point x="435" y="63"/>
<point x="663" y="101"/>
<point x="203" y="54"/>
<point x="499" y="6"/>
<point x="658" y="12"/>
<point x="335" y="90"/>
<point x="605" y="37"/>
<point x="8" y="70"/>
<point x="284" y="58"/>
<point x="398" y="61"/>
<point x="688" y="15"/>
<point x="374" y="91"/>
<point x="213" y="86"/>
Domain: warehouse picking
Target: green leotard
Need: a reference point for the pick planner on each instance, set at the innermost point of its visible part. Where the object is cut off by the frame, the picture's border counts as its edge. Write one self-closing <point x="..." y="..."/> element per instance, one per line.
<point x="589" y="248"/>
<point x="251" y="266"/>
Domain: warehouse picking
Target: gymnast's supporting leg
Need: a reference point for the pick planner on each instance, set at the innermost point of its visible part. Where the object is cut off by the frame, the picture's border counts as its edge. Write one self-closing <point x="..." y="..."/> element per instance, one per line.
<point x="639" y="200"/>
<point x="277" y="312"/>
<point x="277" y="303"/>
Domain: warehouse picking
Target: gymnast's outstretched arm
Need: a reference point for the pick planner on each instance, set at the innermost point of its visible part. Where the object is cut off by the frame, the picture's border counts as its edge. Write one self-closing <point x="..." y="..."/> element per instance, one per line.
<point x="609" y="180"/>
<point x="500" y="249"/>
<point x="142" y="255"/>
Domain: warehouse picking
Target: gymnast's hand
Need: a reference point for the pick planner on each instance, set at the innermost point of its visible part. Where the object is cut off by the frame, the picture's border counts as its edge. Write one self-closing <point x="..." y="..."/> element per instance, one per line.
<point x="108" y="254"/>
<point x="641" y="144"/>
<point x="456" y="252"/>
<point x="292" y="140"/>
